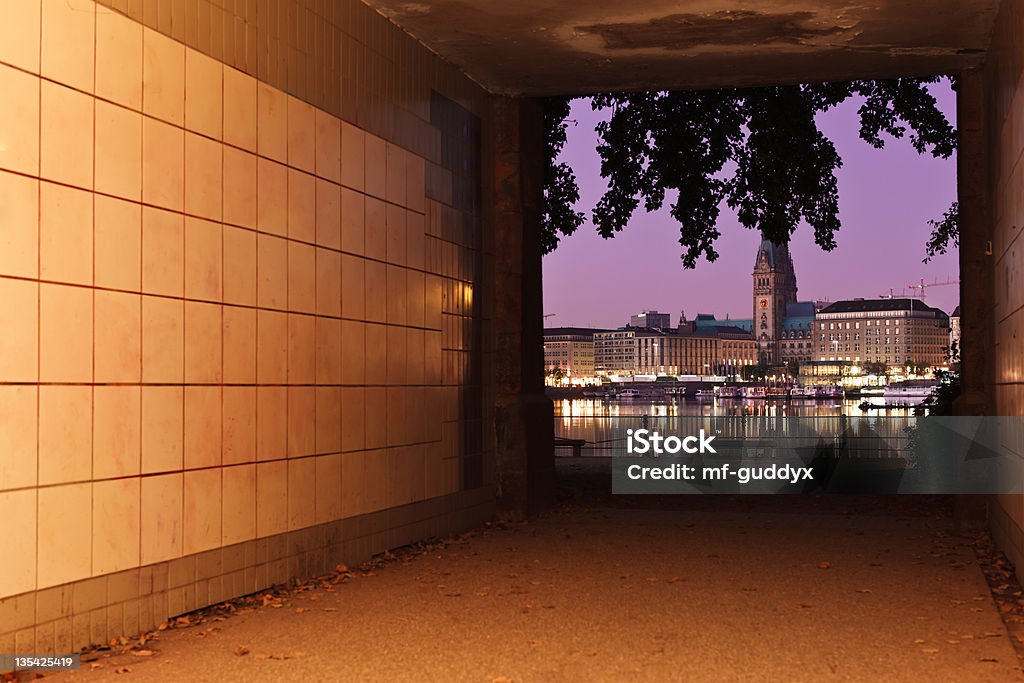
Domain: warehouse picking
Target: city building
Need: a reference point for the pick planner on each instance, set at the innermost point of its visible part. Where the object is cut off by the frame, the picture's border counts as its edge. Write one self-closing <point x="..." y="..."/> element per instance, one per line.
<point x="687" y="350"/>
<point x="651" y="320"/>
<point x="570" y="349"/>
<point x="615" y="352"/>
<point x="954" y="329"/>
<point x="782" y="326"/>
<point x="894" y="332"/>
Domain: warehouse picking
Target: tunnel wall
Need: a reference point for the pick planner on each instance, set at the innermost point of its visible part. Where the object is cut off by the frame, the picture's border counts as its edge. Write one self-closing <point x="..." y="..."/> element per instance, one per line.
<point x="1003" y="95"/>
<point x="242" y="250"/>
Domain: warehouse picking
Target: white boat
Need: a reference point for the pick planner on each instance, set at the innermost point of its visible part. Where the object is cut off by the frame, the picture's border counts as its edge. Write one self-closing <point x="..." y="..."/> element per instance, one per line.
<point x="912" y="394"/>
<point x="628" y="393"/>
<point x="727" y="392"/>
<point x="753" y="392"/>
<point x="829" y="391"/>
<point x="705" y="395"/>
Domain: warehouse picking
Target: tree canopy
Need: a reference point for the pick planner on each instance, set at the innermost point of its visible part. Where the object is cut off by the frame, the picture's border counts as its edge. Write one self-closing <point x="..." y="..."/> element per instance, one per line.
<point x="758" y="150"/>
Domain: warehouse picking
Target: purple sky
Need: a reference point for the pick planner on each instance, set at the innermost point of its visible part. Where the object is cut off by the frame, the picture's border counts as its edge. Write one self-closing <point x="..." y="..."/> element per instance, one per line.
<point x="886" y="198"/>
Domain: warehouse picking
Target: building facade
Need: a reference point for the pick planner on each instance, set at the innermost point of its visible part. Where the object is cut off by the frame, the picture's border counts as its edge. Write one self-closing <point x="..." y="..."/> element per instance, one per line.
<point x="893" y="332"/>
<point x="651" y="320"/>
<point x="686" y="350"/>
<point x="570" y="349"/>
<point x="615" y="352"/>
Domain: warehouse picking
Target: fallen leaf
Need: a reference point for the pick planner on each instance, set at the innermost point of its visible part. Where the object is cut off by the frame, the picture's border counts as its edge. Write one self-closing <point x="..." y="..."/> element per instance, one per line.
<point x="824" y="565"/>
<point x="123" y="670"/>
<point x="142" y="653"/>
<point x="241" y="651"/>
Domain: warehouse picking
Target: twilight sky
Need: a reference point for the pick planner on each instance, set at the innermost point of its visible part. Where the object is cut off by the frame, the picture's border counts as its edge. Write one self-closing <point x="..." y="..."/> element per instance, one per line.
<point x="886" y="198"/>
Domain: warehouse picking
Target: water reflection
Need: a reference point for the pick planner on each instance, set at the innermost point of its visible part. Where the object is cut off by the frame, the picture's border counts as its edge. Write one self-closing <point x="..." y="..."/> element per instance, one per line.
<point x="596" y="420"/>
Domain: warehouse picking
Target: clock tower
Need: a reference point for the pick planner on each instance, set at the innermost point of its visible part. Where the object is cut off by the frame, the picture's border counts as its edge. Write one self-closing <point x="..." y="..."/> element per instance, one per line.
<point x="774" y="289"/>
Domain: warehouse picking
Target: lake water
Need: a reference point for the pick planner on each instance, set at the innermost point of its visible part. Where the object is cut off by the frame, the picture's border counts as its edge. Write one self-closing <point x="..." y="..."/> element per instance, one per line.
<point x="600" y="422"/>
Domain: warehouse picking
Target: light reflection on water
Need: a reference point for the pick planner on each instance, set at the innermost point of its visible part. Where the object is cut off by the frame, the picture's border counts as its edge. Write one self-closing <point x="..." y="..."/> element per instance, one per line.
<point x="594" y="420"/>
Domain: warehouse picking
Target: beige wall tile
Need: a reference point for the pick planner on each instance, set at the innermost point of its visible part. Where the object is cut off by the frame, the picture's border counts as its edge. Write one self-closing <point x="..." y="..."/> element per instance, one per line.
<point x="65" y="234"/>
<point x="375" y="236"/>
<point x="328" y="488"/>
<point x="118" y="151"/>
<point x="239" y="266"/>
<point x="375" y="164"/>
<point x="328" y="214"/>
<point x="271" y="347"/>
<point x="162" y="429"/>
<point x="415" y="241"/>
<point x="115" y="525"/>
<point x="239" y="425"/>
<point x="301" y="421"/>
<point x="66" y="135"/>
<point x="65" y="333"/>
<point x="396" y="174"/>
<point x="432" y="369"/>
<point x="353" y="296"/>
<point x="396" y="292"/>
<point x="375" y="411"/>
<point x="202" y="519"/>
<point x="414" y="300"/>
<point x="117" y="431"/>
<point x="301" y="349"/>
<point x="363" y="349"/>
<point x="352" y="156"/>
<point x="301" y="493"/>
<point x="301" y="135"/>
<point x="19" y="34"/>
<point x="18" y="434"/>
<point x="397" y="359"/>
<point x="203" y="177"/>
<point x="328" y="282"/>
<point x="162" y="501"/>
<point x="271" y="422"/>
<point x="239" y="508"/>
<point x="118" y="58"/>
<point x="415" y="371"/>
<point x="375" y="284"/>
<point x="353" y="418"/>
<point x="118" y="343"/>
<point x="353" y="474"/>
<point x="65" y="531"/>
<point x="328" y="146"/>
<point x="240" y="345"/>
<point x="396" y="229"/>
<point x="272" y="197"/>
<point x="203" y="327"/>
<point x="204" y="94"/>
<point x="18" y="570"/>
<point x="118" y="243"/>
<point x="19" y="225"/>
<point x="272" y="269"/>
<point x="163" y="339"/>
<point x="68" y="42"/>
<point x="19" y="121"/>
<point x="415" y="193"/>
<point x="239" y="109"/>
<point x="163" y="164"/>
<point x="352" y="221"/>
<point x="301" y="206"/>
<point x="271" y="498"/>
<point x="203" y="259"/>
<point x="163" y="252"/>
<point x="19" y="319"/>
<point x="239" y="187"/>
<point x="301" y="277"/>
<point x="163" y="77"/>
<point x="328" y="420"/>
<point x="202" y="427"/>
<point x="328" y="351"/>
<point x="272" y="122"/>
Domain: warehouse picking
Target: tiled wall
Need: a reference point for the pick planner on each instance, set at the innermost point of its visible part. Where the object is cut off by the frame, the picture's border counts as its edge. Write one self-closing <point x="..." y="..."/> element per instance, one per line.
<point x="228" y="317"/>
<point x="1005" y="76"/>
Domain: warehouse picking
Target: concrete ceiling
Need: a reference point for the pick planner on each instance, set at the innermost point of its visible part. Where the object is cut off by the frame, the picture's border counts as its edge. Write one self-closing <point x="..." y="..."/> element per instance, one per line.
<point x="546" y="47"/>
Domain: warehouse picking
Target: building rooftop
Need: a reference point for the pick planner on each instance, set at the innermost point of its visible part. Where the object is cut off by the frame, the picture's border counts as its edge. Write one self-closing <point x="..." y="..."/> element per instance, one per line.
<point x="563" y="331"/>
<point x="880" y="305"/>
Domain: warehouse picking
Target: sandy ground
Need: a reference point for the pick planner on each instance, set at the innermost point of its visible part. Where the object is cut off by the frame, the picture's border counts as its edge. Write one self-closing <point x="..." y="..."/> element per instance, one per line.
<point x="606" y="588"/>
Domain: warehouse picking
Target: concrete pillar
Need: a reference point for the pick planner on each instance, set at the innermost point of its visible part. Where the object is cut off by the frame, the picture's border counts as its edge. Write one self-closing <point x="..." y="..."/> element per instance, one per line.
<point x="524" y="419"/>
<point x="977" y="355"/>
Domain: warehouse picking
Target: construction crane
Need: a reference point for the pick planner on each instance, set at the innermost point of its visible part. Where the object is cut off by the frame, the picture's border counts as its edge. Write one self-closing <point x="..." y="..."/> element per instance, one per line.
<point x="548" y="315"/>
<point x="923" y="286"/>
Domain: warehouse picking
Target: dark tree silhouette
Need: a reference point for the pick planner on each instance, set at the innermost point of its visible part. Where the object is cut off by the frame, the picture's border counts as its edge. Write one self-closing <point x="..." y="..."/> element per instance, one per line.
<point x="758" y="150"/>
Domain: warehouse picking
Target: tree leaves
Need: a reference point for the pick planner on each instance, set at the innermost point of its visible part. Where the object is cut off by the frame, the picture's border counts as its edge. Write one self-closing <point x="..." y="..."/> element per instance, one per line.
<point x="759" y="150"/>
